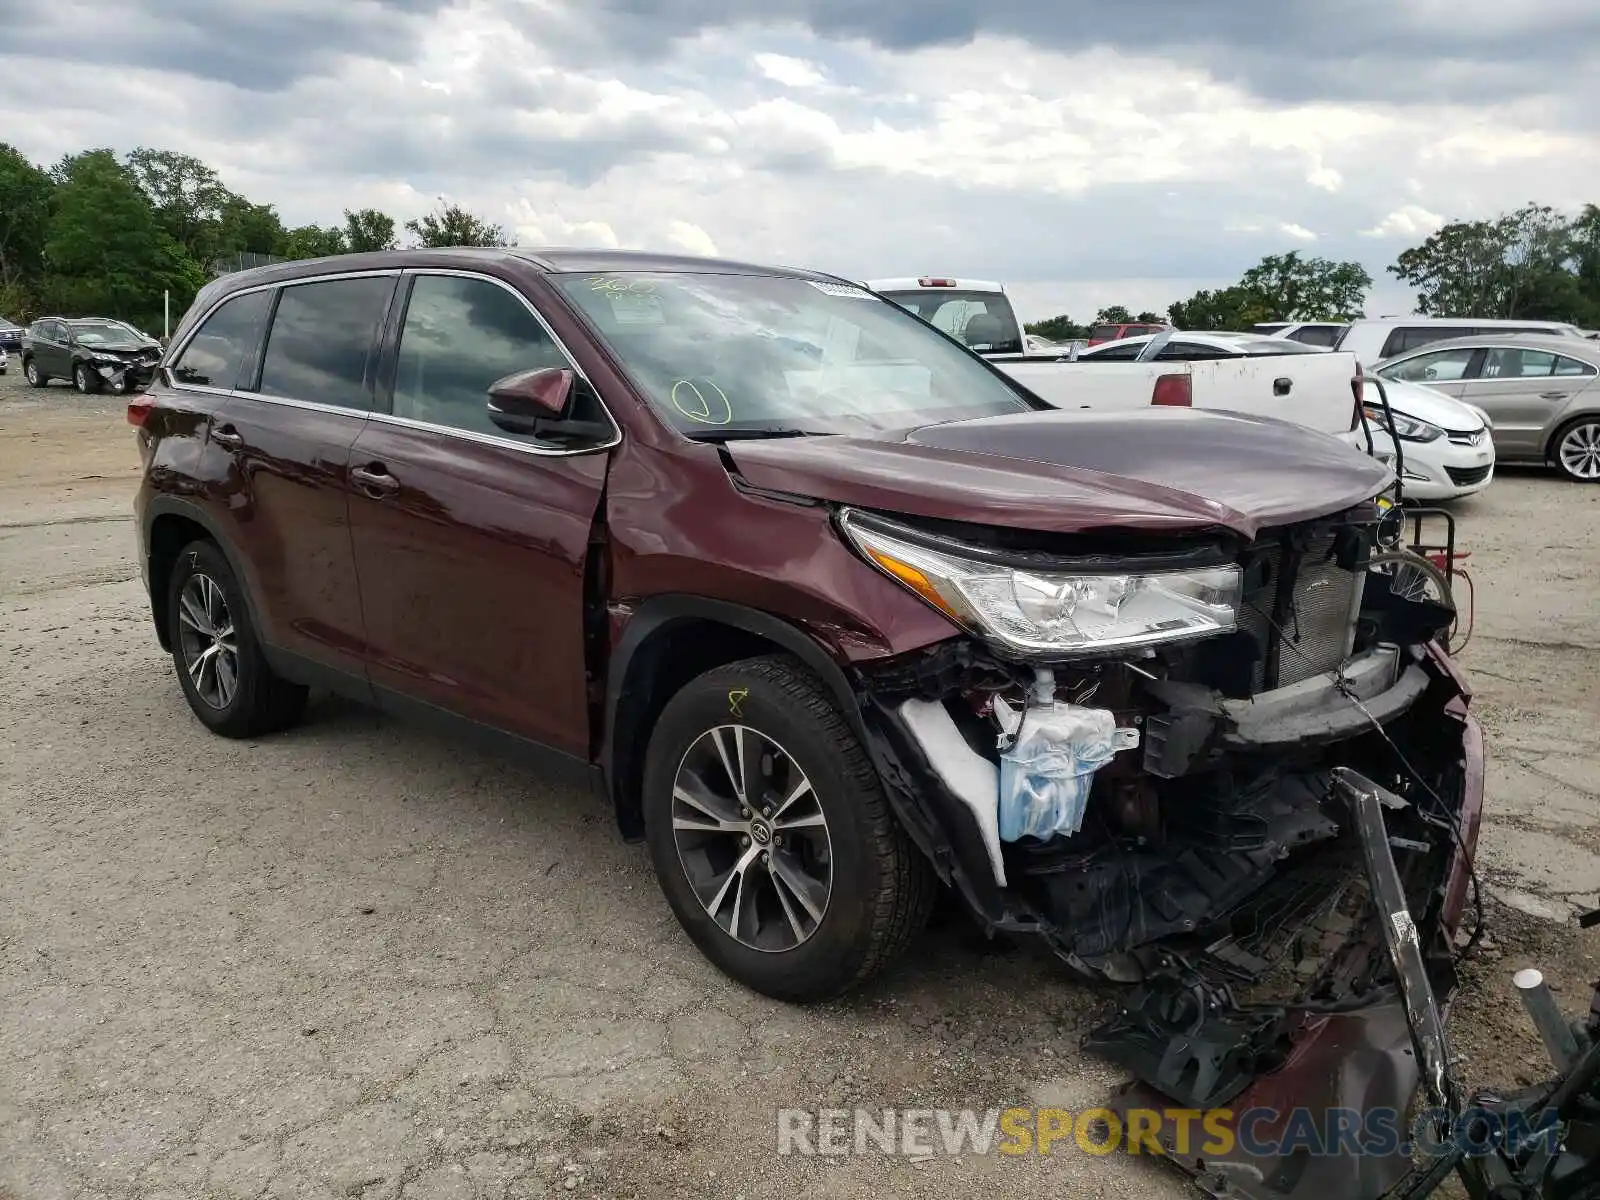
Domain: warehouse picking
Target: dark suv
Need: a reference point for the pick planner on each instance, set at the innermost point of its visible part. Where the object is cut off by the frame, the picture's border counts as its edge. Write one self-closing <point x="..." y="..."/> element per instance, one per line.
<point x="93" y="352"/>
<point x="834" y="615"/>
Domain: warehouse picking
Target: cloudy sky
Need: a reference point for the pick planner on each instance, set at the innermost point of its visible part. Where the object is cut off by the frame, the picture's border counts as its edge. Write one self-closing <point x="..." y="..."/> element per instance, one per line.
<point x="1086" y="154"/>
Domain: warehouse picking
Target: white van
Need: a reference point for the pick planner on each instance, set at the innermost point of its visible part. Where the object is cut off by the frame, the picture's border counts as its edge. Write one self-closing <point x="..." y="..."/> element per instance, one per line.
<point x="1372" y="341"/>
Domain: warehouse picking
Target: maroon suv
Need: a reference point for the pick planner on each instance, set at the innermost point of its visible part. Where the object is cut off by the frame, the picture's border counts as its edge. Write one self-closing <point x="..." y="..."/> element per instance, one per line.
<point x="790" y="575"/>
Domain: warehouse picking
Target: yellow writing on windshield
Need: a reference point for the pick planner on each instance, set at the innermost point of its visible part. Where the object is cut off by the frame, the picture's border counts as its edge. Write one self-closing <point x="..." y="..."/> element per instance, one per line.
<point x="702" y="400"/>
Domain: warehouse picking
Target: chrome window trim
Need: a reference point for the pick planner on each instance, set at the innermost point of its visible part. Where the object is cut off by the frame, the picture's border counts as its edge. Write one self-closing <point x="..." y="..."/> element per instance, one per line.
<point x="389" y="418"/>
<point x="175" y="352"/>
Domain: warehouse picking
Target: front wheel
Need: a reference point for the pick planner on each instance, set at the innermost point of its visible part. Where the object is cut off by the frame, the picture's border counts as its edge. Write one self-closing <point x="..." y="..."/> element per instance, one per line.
<point x="85" y="380"/>
<point x="1576" y="450"/>
<point x="771" y="835"/>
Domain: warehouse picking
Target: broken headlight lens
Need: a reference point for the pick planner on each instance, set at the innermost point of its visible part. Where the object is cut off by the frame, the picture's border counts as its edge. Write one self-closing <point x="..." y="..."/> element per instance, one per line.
<point x="1044" y="613"/>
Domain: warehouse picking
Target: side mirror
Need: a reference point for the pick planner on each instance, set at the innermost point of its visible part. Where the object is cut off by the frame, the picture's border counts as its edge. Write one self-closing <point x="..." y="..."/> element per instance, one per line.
<point x="535" y="404"/>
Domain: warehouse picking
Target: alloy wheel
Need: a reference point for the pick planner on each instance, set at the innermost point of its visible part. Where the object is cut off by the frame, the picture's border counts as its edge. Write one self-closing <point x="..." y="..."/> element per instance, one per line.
<point x="752" y="838"/>
<point x="1579" y="451"/>
<point x="208" y="641"/>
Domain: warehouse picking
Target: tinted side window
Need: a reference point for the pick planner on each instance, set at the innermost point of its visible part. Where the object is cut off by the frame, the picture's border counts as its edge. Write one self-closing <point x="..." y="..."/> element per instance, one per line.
<point x="1317" y="335"/>
<point x="1188" y="352"/>
<point x="322" y="339"/>
<point x="1442" y="366"/>
<point x="459" y="336"/>
<point x="1405" y="339"/>
<point x="1506" y="363"/>
<point x="1116" y="353"/>
<point x="224" y="343"/>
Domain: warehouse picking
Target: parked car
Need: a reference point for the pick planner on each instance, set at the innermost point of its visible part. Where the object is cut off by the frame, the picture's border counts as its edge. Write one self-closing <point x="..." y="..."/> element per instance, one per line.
<point x="1313" y="333"/>
<point x="1446" y="447"/>
<point x="91" y="351"/>
<point x="1107" y="332"/>
<point x="10" y="335"/>
<point x="5" y="360"/>
<point x="1373" y="341"/>
<point x="1237" y="373"/>
<point x="976" y="312"/>
<point x="1539" y="391"/>
<point x="1194" y="347"/>
<point x="779" y="566"/>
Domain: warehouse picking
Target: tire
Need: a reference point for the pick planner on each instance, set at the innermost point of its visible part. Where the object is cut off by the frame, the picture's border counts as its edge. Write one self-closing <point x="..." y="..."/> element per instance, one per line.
<point x="85" y="380"/>
<point x="879" y="888"/>
<point x="203" y="591"/>
<point x="1575" y="449"/>
<point x="34" y="376"/>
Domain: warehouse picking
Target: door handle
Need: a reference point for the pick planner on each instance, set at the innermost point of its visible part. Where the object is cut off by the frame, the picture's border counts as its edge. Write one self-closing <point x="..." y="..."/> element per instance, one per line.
<point x="375" y="480"/>
<point x="228" y="436"/>
<point x="1552" y="395"/>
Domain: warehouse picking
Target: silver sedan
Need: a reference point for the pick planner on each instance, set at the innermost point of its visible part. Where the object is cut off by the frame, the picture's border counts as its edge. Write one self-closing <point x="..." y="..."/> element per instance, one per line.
<point x="1541" y="392"/>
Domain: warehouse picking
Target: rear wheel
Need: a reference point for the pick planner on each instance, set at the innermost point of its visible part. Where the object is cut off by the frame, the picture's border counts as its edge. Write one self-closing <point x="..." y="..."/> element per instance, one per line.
<point x="31" y="372"/>
<point x="221" y="668"/>
<point x="1576" y="450"/>
<point x="771" y="836"/>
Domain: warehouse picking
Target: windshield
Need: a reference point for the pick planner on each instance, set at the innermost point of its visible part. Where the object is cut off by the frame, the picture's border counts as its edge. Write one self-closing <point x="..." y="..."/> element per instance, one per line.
<point x="982" y="321"/>
<point x="721" y="353"/>
<point x="113" y="335"/>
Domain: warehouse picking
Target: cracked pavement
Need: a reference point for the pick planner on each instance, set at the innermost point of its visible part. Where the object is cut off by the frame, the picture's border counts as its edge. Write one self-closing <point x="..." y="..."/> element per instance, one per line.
<point x="358" y="960"/>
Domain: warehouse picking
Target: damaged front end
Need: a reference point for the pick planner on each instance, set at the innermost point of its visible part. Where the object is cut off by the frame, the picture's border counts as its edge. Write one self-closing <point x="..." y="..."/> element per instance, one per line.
<point x="1201" y="845"/>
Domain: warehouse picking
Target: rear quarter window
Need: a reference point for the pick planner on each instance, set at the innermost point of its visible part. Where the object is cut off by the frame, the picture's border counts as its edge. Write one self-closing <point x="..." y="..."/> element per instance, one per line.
<point x="224" y="343"/>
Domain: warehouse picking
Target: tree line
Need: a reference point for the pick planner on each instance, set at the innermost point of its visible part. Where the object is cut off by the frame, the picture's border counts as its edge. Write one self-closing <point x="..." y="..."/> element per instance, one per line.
<point x="1532" y="264"/>
<point x="100" y="235"/>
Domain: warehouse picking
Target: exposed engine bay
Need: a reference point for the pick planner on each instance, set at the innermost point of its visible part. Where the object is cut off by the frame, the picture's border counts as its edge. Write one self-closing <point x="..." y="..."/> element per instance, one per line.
<point x="1215" y="868"/>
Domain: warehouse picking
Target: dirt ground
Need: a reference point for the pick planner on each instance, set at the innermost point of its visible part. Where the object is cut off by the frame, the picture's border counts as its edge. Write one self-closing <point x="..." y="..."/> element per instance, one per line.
<point x="357" y="960"/>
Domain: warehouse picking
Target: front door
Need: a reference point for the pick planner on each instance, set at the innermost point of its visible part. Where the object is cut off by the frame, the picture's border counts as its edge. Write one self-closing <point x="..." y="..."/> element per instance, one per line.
<point x="290" y="427"/>
<point x="471" y="542"/>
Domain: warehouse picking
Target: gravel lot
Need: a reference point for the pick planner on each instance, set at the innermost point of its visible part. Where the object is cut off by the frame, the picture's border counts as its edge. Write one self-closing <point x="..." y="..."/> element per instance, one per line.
<point x="357" y="960"/>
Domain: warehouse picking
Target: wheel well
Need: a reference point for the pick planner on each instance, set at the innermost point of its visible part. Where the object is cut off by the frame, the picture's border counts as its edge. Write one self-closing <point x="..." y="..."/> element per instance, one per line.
<point x="672" y="655"/>
<point x="169" y="534"/>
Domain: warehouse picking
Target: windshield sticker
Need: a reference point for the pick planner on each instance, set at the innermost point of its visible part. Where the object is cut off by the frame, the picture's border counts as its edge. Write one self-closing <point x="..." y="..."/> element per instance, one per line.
<point x="703" y="401"/>
<point x="847" y="290"/>
<point x="636" y="308"/>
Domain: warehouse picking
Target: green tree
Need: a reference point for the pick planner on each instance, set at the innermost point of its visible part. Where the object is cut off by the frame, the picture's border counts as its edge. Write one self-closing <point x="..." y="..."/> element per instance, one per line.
<point x="248" y="228"/>
<point x="368" y="229"/>
<point x="187" y="196"/>
<point x="312" y="241"/>
<point x="1113" y="315"/>
<point x="25" y="195"/>
<point x="1231" y="308"/>
<point x="452" y="225"/>
<point x="1148" y="318"/>
<point x="1295" y="288"/>
<point x="1058" y="329"/>
<point x="1527" y="263"/>
<point x="106" y="250"/>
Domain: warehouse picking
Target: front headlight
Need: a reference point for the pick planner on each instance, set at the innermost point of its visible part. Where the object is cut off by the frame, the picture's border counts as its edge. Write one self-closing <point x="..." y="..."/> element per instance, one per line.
<point x="1408" y="429"/>
<point x="1055" y="613"/>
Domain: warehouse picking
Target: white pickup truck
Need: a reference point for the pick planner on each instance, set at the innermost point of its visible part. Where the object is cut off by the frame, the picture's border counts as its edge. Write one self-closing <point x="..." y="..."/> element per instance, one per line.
<point x="1314" y="389"/>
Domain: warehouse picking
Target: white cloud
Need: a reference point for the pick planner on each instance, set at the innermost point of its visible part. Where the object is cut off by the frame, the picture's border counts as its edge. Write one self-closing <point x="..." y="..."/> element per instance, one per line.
<point x="791" y="72"/>
<point x="690" y="238"/>
<point x="994" y="158"/>
<point x="1411" y="220"/>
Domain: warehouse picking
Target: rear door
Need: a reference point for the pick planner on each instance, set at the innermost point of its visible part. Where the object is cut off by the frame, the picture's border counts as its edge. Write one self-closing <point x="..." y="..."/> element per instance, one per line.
<point x="472" y="542"/>
<point x="1524" y="390"/>
<point x="50" y="350"/>
<point x="289" y="428"/>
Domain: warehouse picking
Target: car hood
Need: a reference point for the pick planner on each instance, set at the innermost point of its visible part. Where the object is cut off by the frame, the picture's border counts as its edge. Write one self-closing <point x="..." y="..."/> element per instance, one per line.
<point x="1167" y="469"/>
<point x="1427" y="404"/>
